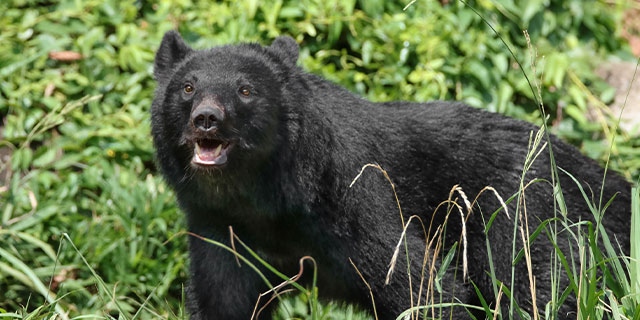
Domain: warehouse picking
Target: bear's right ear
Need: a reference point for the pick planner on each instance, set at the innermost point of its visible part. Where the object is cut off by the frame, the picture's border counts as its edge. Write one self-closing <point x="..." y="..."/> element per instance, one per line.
<point x="171" y="52"/>
<point x="286" y="48"/>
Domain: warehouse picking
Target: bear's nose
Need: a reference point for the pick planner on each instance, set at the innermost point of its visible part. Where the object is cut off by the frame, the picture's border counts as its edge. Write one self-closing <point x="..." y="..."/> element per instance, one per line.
<point x="206" y="117"/>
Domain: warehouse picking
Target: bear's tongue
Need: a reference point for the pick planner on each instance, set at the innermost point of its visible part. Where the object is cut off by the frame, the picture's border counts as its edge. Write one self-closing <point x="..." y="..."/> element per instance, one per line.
<point x="209" y="153"/>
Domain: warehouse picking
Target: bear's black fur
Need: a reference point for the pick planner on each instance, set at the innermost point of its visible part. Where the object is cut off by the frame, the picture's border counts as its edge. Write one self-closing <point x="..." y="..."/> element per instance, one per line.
<point x="291" y="145"/>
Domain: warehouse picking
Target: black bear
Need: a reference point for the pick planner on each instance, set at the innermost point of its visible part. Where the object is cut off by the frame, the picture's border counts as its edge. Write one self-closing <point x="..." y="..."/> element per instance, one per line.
<point x="248" y="139"/>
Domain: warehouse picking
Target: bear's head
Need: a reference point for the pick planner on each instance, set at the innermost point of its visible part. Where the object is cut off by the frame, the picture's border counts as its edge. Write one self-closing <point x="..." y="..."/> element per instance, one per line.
<point x="217" y="111"/>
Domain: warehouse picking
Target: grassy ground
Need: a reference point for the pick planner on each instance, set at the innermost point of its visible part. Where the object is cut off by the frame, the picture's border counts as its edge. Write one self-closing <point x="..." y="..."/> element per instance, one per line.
<point x="88" y="227"/>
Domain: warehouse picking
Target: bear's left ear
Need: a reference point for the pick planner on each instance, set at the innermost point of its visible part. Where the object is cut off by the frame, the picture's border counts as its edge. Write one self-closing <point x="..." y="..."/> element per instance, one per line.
<point x="171" y="52"/>
<point x="286" y="49"/>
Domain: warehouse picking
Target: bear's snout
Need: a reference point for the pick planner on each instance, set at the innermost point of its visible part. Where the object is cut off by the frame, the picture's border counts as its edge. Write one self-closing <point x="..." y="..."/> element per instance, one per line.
<point x="207" y="116"/>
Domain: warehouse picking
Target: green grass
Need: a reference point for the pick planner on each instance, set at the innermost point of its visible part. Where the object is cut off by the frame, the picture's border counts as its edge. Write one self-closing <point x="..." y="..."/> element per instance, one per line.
<point x="88" y="227"/>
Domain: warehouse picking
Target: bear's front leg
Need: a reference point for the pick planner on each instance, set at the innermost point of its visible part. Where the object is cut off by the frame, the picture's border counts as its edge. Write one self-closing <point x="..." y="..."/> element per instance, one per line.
<point x="219" y="288"/>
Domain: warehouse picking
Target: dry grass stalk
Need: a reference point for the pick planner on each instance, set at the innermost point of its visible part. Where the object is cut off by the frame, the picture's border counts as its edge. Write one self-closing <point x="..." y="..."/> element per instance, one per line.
<point x="396" y="251"/>
<point x="495" y="192"/>
<point x="527" y="253"/>
<point x="432" y="269"/>
<point x="436" y="252"/>
<point x="424" y="263"/>
<point x="437" y="235"/>
<point x="373" y="302"/>
<point x="393" y="187"/>
<point x="233" y="245"/>
<point x="394" y="258"/>
<point x="497" y="308"/>
<point x="275" y="289"/>
<point x="386" y="175"/>
<point x="465" y="268"/>
<point x="273" y="297"/>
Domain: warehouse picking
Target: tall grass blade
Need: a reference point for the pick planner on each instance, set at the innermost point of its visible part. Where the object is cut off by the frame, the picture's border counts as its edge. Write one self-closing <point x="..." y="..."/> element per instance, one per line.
<point x="101" y="282"/>
<point x="34" y="279"/>
<point x="634" y="264"/>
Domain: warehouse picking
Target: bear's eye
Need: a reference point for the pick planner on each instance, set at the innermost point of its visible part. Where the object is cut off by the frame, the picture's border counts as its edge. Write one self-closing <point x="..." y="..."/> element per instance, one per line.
<point x="188" y="88"/>
<point x="244" y="91"/>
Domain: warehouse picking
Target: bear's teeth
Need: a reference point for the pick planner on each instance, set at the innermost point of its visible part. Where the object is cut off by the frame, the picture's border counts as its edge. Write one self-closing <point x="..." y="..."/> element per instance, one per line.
<point x="217" y="153"/>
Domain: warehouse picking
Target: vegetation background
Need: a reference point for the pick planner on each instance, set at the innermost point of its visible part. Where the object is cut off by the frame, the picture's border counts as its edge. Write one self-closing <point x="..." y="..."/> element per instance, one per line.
<point x="76" y="86"/>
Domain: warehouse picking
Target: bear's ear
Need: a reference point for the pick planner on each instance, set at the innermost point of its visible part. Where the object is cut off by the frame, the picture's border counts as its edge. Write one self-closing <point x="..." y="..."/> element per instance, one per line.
<point x="171" y="52"/>
<point x="286" y="49"/>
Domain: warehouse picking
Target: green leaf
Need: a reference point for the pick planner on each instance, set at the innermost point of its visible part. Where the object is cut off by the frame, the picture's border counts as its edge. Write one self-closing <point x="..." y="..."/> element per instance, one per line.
<point x="45" y="158"/>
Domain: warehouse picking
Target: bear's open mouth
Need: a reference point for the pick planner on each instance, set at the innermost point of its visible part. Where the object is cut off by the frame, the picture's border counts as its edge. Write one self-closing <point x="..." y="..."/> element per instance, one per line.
<point x="210" y="152"/>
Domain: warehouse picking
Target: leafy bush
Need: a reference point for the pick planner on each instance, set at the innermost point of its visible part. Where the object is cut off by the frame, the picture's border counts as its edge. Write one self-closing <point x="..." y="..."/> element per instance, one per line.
<point x="78" y="130"/>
